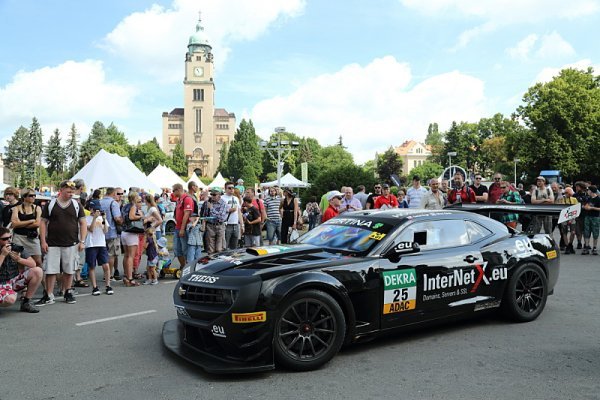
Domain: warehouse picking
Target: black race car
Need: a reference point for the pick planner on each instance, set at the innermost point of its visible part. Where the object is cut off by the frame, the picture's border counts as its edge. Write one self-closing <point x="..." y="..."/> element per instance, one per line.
<point x="354" y="277"/>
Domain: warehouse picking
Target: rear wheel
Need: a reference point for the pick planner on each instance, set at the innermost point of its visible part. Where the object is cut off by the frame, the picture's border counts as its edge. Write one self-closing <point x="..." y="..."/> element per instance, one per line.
<point x="170" y="227"/>
<point x="309" y="331"/>
<point x="526" y="293"/>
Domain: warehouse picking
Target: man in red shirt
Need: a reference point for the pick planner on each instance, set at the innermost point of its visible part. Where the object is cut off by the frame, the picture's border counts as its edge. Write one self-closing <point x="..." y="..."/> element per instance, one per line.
<point x="335" y="200"/>
<point x="495" y="191"/>
<point x="386" y="200"/>
<point x="183" y="210"/>
<point x="460" y="193"/>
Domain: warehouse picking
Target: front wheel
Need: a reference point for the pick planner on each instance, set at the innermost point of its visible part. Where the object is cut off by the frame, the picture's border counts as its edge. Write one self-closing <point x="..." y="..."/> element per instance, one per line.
<point x="309" y="330"/>
<point x="526" y="293"/>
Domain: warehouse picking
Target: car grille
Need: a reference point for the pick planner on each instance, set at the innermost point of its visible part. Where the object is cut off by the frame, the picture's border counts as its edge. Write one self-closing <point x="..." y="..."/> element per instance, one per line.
<point x="208" y="296"/>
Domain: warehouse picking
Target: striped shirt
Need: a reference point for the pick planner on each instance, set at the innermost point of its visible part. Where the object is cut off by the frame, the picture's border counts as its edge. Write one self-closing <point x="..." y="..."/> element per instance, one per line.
<point x="272" y="208"/>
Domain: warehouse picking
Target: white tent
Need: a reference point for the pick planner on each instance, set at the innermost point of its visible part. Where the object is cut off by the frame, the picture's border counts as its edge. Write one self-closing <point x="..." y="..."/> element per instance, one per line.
<point x="111" y="170"/>
<point x="219" y="181"/>
<point x="195" y="178"/>
<point x="288" y="180"/>
<point x="164" y="177"/>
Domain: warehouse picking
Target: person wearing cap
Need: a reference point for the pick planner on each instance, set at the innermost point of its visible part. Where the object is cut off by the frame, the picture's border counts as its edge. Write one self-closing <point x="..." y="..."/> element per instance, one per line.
<point x="415" y="193"/>
<point x="335" y="200"/>
<point x="96" y="252"/>
<point x="591" y="226"/>
<point x="62" y="236"/>
<point x="216" y="211"/>
<point x="542" y="195"/>
<point x="387" y="199"/>
<point x="289" y="210"/>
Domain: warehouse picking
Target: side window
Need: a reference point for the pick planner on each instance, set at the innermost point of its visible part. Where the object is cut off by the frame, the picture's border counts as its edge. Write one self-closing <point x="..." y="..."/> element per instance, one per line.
<point x="436" y="234"/>
<point x="476" y="232"/>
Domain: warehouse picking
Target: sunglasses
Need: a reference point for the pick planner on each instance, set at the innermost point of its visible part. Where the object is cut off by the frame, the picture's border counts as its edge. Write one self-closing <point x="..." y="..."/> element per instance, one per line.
<point x="70" y="184"/>
<point x="229" y="187"/>
<point x="214" y="194"/>
<point x="478" y="178"/>
<point x="503" y="187"/>
<point x="30" y="195"/>
<point x="6" y="238"/>
<point x="120" y="194"/>
<point x="497" y="179"/>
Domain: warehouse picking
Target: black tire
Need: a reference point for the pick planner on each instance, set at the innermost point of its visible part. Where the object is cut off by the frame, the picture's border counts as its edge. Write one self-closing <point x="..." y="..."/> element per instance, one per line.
<point x="526" y="293"/>
<point x="161" y="273"/>
<point x="309" y="331"/>
<point x="169" y="227"/>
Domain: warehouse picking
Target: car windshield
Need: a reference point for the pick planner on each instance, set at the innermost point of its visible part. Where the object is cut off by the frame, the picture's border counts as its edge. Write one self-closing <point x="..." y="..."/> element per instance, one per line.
<point x="347" y="234"/>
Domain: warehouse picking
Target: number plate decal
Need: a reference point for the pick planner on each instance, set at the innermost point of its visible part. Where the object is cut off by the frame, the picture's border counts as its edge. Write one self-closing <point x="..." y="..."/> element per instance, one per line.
<point x="399" y="291"/>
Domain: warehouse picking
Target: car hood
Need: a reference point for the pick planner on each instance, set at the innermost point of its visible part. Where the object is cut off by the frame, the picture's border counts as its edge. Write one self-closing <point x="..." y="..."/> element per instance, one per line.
<point x="271" y="260"/>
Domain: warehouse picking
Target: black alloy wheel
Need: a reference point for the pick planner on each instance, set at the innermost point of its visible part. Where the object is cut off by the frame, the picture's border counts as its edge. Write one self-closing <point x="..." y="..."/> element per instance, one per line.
<point x="309" y="331"/>
<point x="526" y="293"/>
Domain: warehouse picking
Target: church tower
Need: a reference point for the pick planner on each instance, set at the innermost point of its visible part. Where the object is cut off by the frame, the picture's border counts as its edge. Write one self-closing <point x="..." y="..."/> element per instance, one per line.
<point x="199" y="127"/>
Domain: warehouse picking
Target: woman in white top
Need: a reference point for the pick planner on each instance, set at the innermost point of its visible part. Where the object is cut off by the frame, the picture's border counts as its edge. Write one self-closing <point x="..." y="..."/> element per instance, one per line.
<point x="152" y="213"/>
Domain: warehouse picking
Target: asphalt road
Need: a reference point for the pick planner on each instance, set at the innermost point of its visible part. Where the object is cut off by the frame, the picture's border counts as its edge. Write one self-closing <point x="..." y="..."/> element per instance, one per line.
<point x="68" y="352"/>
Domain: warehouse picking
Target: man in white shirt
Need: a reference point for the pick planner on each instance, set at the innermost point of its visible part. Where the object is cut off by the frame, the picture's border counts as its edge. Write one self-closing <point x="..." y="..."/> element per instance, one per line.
<point x="434" y="198"/>
<point x="415" y="193"/>
<point x="232" y="224"/>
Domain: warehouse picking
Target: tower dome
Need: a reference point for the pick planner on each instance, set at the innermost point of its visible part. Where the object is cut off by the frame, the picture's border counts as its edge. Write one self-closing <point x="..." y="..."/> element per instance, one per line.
<point x="199" y="40"/>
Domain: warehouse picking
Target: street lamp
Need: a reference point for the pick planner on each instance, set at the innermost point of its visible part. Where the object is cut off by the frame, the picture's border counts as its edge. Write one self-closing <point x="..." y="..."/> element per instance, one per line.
<point x="450" y="155"/>
<point x="279" y="150"/>
<point x="516" y="160"/>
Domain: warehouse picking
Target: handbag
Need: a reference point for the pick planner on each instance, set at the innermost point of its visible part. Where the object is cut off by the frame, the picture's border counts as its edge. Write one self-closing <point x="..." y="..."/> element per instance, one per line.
<point x="294" y="235"/>
<point x="32" y="234"/>
<point x="132" y="226"/>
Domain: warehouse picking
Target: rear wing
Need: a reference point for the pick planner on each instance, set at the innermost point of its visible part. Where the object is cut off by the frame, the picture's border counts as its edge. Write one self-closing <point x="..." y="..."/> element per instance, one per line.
<point x="564" y="212"/>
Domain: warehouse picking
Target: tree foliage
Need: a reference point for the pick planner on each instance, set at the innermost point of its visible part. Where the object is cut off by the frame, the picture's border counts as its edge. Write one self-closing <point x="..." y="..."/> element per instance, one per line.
<point x="17" y="155"/>
<point x="244" y="158"/>
<point x="55" y="155"/>
<point x="563" y="117"/>
<point x="148" y="155"/>
<point x="72" y="150"/>
<point x="178" y="161"/>
<point x="388" y="164"/>
<point x="435" y="139"/>
<point x="427" y="170"/>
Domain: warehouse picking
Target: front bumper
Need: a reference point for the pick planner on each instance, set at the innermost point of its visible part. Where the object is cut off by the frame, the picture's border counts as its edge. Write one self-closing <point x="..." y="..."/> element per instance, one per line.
<point x="173" y="335"/>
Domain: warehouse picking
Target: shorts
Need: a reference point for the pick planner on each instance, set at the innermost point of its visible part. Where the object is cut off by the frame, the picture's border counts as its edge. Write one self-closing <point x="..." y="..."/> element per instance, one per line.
<point x="113" y="246"/>
<point x="96" y="256"/>
<point x="16" y="284"/>
<point x="62" y="258"/>
<point x="152" y="263"/>
<point x="180" y="244"/>
<point x="591" y="227"/>
<point x="130" y="239"/>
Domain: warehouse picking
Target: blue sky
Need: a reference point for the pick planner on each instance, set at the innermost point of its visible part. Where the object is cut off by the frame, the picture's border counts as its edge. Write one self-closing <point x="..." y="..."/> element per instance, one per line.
<point x="376" y="72"/>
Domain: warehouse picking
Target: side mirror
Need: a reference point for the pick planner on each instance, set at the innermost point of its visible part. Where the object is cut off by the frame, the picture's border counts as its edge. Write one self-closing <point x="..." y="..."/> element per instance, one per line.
<point x="401" y="248"/>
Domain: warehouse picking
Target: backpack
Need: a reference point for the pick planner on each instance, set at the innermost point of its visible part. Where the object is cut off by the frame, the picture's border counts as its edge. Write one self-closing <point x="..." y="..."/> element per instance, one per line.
<point x="53" y="203"/>
<point x="129" y="225"/>
<point x="7" y="213"/>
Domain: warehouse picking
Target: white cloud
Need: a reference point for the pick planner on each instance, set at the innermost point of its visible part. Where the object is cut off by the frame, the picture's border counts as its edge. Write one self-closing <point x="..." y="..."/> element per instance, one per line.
<point x="507" y="11"/>
<point x="58" y="96"/>
<point x="372" y="107"/>
<point x="155" y="39"/>
<point x="502" y="13"/>
<point x="523" y="49"/>
<point x="553" y="45"/>
<point x="549" y="73"/>
<point x="547" y="46"/>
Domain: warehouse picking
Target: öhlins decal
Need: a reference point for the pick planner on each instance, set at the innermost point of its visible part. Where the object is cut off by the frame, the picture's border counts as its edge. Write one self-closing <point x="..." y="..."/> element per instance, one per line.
<point x="248" y="318"/>
<point x="400" y="291"/>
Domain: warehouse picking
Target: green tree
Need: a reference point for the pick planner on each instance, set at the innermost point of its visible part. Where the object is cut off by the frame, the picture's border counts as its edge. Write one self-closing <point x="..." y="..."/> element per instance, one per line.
<point x="563" y="116"/>
<point x="388" y="164"/>
<point x="223" y="152"/>
<point x="35" y="151"/>
<point x="435" y="139"/>
<point x="427" y="170"/>
<point x="343" y="175"/>
<point x="116" y="142"/>
<point x="17" y="153"/>
<point x="148" y="155"/>
<point x="55" y="155"/>
<point x="179" y="163"/>
<point x="96" y="140"/>
<point x="72" y="150"/>
<point x="244" y="159"/>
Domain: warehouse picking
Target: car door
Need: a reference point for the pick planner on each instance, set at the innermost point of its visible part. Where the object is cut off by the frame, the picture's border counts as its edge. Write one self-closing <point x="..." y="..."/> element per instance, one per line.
<point x="433" y="282"/>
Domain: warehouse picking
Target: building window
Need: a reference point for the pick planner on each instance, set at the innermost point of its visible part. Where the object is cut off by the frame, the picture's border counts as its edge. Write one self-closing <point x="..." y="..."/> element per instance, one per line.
<point x="198" y="120"/>
<point x="414" y="163"/>
<point x="223" y="126"/>
<point x="198" y="58"/>
<point x="198" y="94"/>
<point x="174" y="126"/>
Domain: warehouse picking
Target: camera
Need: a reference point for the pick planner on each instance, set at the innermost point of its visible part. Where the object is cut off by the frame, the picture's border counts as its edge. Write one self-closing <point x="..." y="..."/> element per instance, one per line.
<point x="16" y="248"/>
